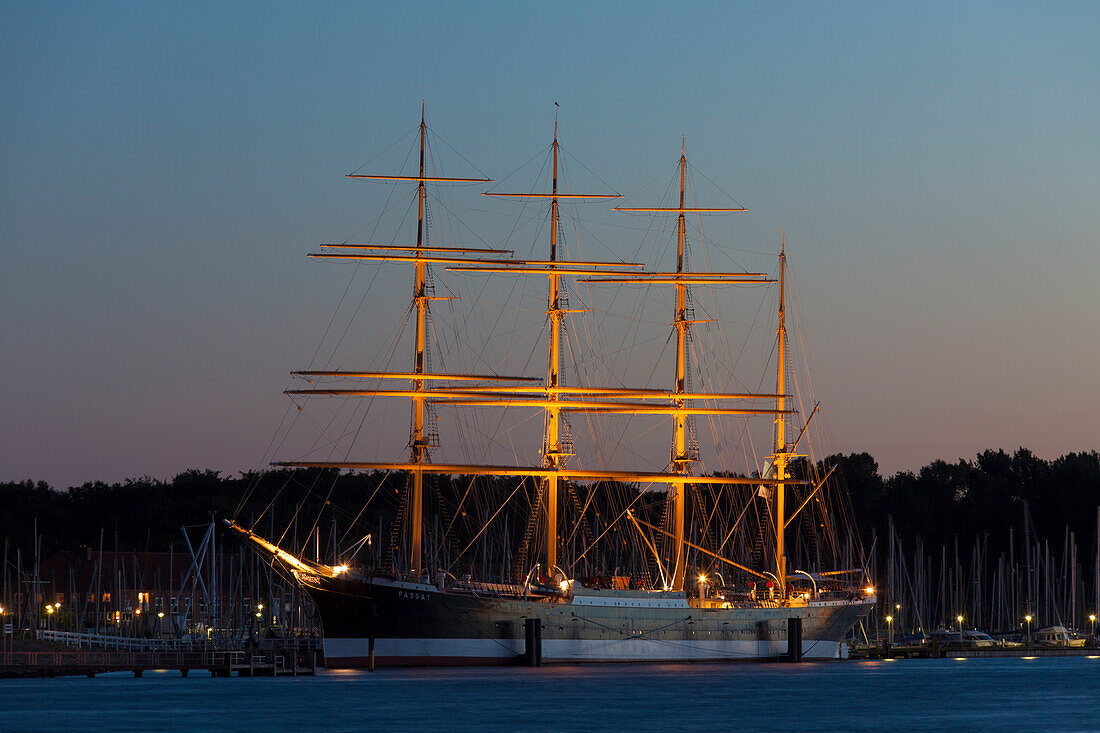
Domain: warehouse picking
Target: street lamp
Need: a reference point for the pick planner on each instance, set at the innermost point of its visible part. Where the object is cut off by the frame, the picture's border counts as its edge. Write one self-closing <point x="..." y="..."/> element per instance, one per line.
<point x="890" y="629"/>
<point x="1028" y="619"/>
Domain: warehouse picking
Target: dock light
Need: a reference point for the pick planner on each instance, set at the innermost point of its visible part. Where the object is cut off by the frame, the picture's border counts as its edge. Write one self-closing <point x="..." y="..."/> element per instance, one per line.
<point x="889" y="619"/>
<point x="339" y="569"/>
<point x="1092" y="616"/>
<point x="1028" y="618"/>
<point x="49" y="608"/>
<point x="258" y="614"/>
<point x="137" y="611"/>
<point x="160" y="614"/>
<point x="564" y="585"/>
<point x="259" y="606"/>
<point x="869" y="590"/>
<point x="959" y="618"/>
<point x="702" y="578"/>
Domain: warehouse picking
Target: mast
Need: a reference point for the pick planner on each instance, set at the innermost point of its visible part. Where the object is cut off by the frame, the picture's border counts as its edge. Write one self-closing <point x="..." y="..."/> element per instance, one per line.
<point x="781" y="455"/>
<point x="554" y="452"/>
<point x="684" y="450"/>
<point x="681" y="460"/>
<point x="417" y="446"/>
<point x="552" y="444"/>
<point x="421" y="256"/>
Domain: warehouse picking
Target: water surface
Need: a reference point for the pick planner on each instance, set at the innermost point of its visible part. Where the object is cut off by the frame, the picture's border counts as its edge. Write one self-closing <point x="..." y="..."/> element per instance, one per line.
<point x="972" y="694"/>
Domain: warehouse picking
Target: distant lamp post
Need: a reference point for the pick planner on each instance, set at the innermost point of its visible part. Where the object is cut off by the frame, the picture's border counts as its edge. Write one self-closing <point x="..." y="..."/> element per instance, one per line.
<point x="959" y="618"/>
<point x="1028" y="619"/>
<point x="1092" y="620"/>
<point x="890" y="629"/>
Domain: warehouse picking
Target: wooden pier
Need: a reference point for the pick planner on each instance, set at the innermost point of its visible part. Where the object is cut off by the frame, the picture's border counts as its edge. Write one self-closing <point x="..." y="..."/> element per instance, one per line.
<point x="83" y="663"/>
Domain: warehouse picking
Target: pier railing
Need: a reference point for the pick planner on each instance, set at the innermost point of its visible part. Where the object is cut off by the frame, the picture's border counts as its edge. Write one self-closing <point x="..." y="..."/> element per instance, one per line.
<point x="251" y="663"/>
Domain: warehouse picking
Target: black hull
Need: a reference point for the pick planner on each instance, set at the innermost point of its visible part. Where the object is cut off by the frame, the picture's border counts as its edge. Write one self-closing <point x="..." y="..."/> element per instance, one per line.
<point x="410" y="624"/>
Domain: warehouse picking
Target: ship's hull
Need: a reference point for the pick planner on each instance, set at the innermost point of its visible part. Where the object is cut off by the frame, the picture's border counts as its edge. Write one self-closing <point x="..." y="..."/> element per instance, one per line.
<point x="411" y="624"/>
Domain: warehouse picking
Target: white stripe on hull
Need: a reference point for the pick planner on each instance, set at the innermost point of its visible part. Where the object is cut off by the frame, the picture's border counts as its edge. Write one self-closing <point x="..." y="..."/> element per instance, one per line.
<point x="353" y="652"/>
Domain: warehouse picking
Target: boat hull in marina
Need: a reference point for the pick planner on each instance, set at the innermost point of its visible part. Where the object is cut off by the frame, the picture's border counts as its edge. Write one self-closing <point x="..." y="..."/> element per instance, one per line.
<point x="415" y="624"/>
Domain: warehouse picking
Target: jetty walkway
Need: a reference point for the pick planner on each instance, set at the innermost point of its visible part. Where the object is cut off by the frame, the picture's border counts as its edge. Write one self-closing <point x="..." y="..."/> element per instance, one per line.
<point x="57" y="657"/>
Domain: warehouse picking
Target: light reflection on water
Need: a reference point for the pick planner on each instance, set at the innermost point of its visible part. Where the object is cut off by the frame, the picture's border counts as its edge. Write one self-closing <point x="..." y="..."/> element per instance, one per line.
<point x="1002" y="694"/>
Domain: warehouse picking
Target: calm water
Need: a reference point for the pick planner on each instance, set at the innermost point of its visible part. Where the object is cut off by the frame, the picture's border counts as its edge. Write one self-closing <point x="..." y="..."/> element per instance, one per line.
<point x="1002" y="694"/>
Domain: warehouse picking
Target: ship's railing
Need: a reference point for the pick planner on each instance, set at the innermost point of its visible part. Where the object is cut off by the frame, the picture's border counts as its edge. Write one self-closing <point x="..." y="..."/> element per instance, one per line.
<point x="496" y="590"/>
<point x="753" y="604"/>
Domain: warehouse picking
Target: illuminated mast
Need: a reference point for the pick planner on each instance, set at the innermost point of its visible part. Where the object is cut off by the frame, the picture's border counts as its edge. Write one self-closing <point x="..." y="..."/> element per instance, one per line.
<point x="681" y="458"/>
<point x="552" y="448"/>
<point x="684" y="455"/>
<point x="781" y="456"/>
<point x="418" y="448"/>
<point x="421" y="256"/>
<point x="554" y="453"/>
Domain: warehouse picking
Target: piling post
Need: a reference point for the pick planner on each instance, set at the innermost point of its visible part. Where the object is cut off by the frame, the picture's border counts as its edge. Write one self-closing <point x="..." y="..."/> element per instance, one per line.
<point x="794" y="639"/>
<point x="532" y="636"/>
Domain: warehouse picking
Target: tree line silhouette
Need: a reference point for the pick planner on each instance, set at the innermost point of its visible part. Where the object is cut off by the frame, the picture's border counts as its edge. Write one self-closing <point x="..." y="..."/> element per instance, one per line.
<point x="968" y="499"/>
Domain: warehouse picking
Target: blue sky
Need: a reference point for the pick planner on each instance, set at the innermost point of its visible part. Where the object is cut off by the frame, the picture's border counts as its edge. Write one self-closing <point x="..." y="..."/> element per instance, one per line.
<point x="165" y="168"/>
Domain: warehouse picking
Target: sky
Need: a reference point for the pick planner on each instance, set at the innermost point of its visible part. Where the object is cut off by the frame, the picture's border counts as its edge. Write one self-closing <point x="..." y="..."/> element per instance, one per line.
<point x="165" y="168"/>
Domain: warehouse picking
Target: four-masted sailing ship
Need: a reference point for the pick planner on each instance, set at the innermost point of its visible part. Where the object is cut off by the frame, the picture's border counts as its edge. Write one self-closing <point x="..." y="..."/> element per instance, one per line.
<point x="405" y="612"/>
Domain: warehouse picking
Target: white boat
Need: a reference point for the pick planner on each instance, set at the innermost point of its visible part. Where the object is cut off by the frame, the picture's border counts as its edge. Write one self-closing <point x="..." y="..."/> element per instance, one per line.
<point x="1057" y="636"/>
<point x="962" y="638"/>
